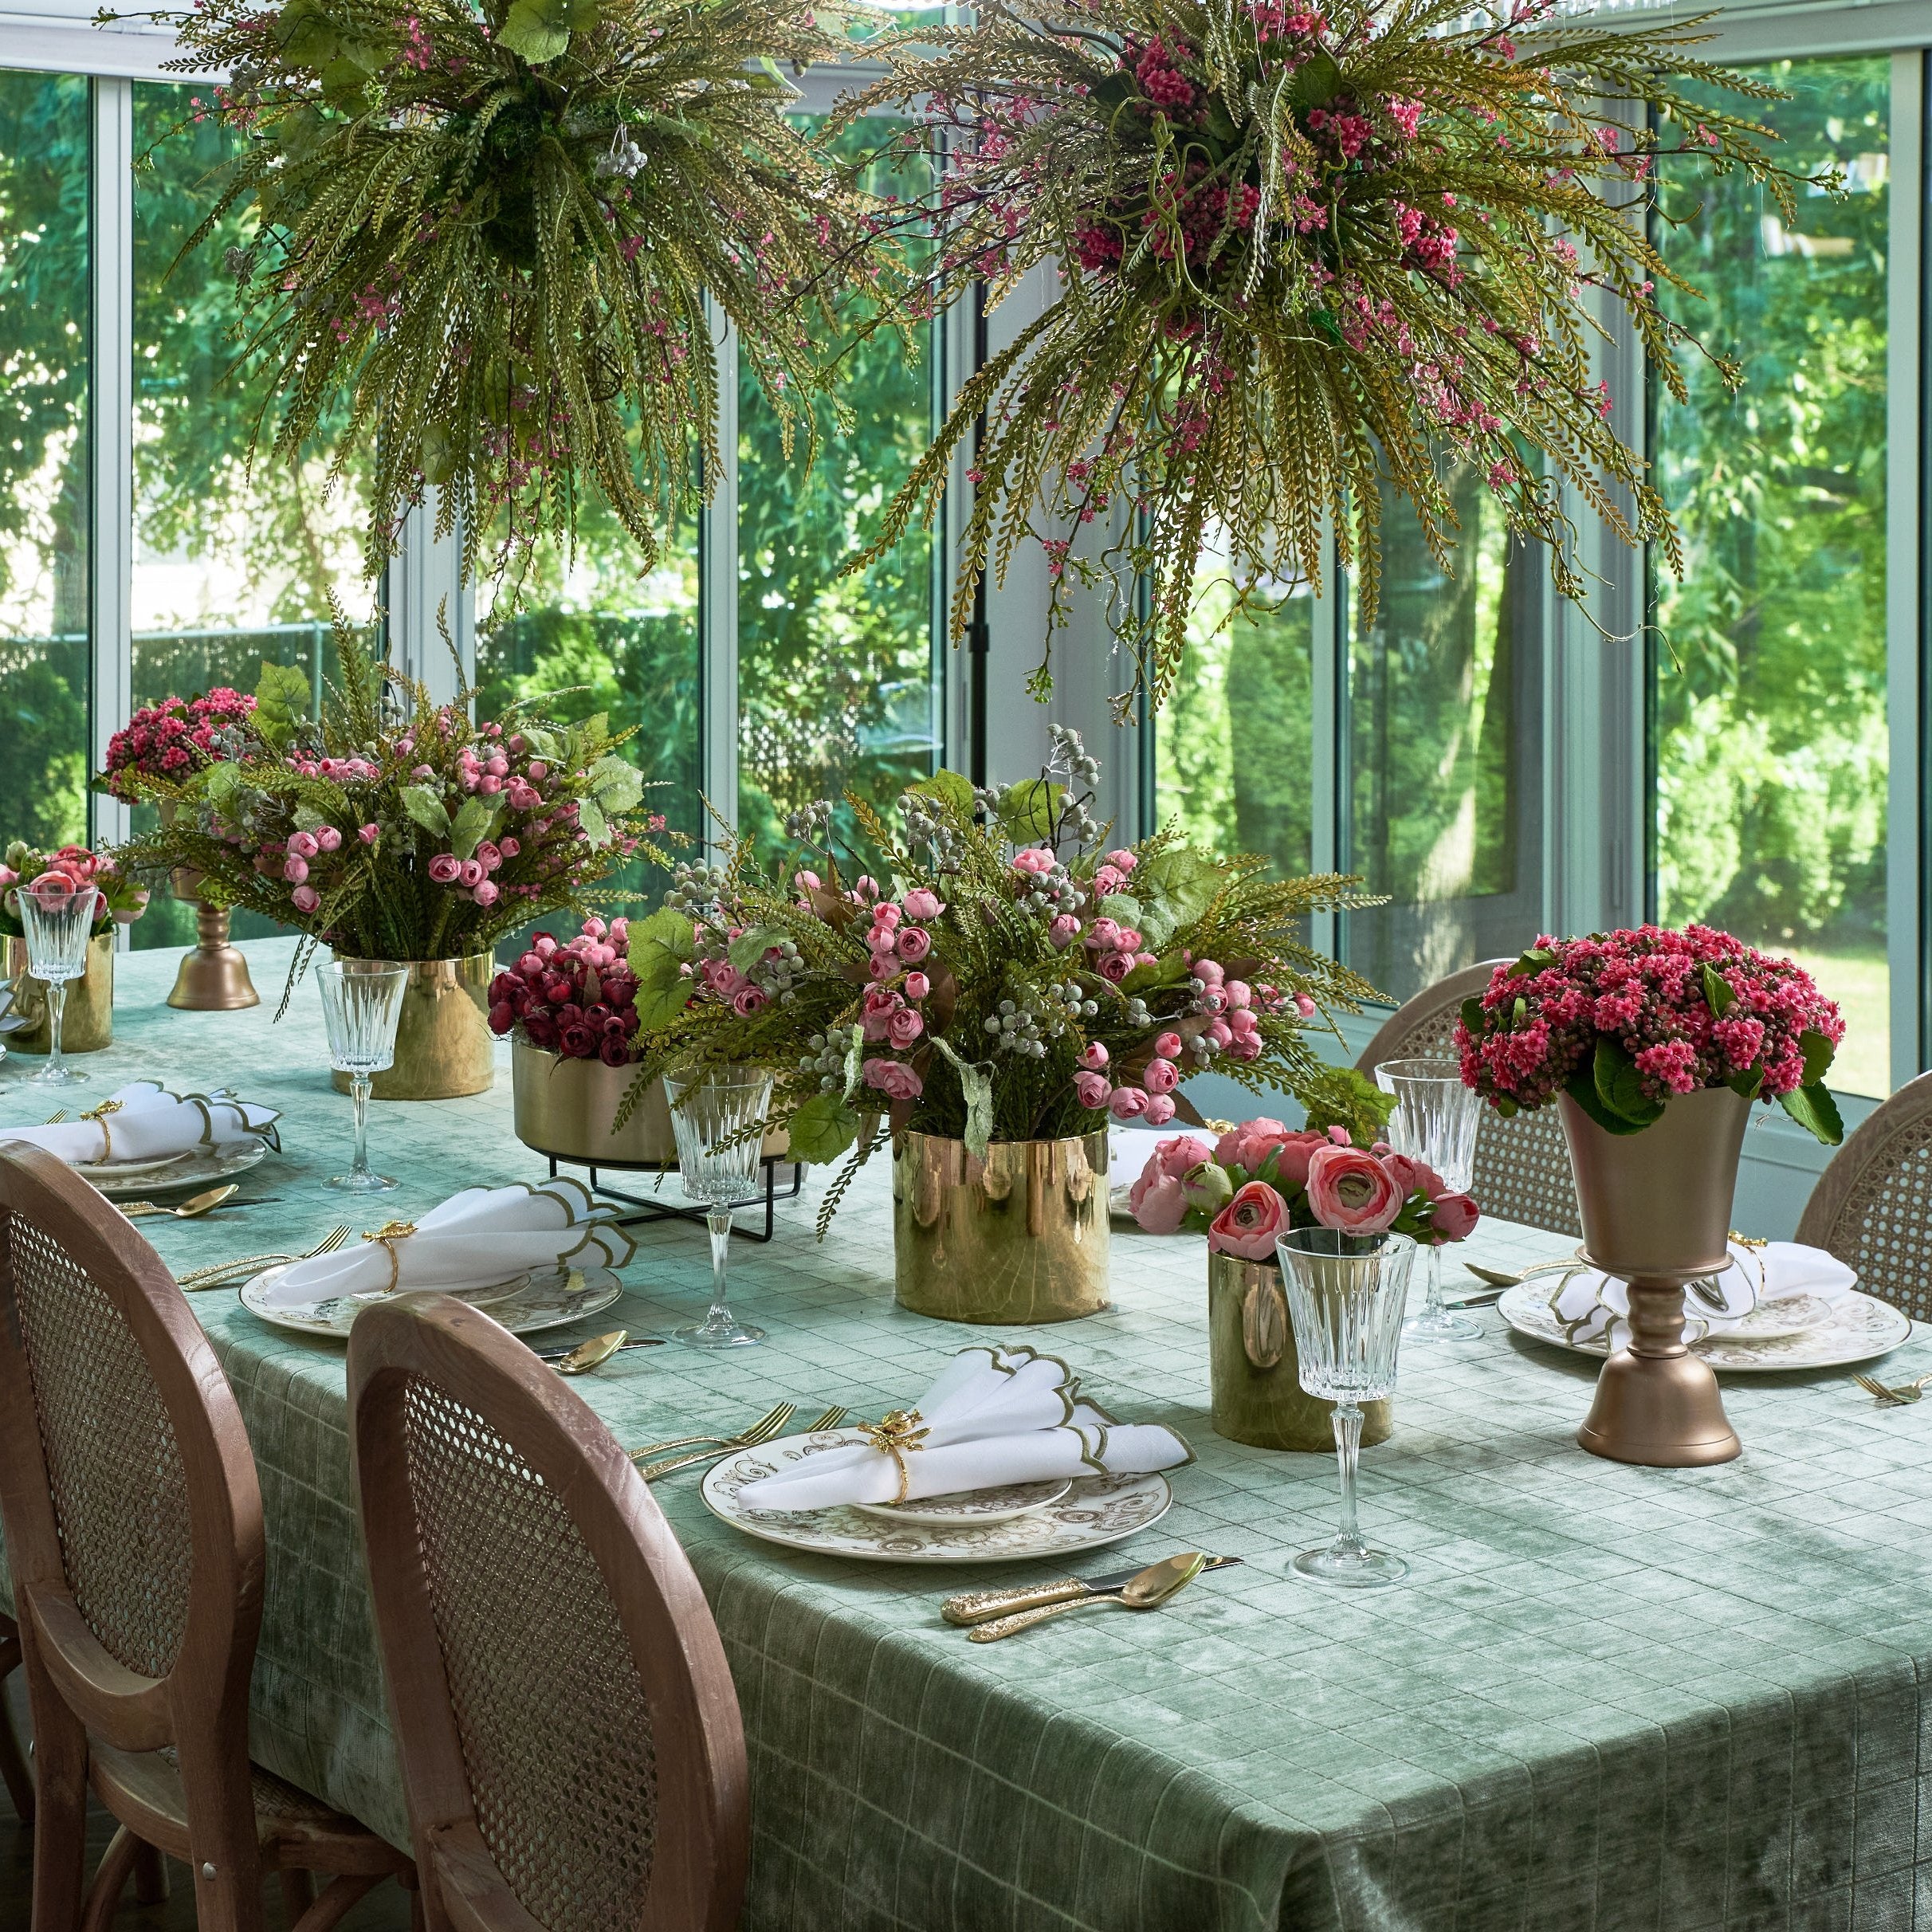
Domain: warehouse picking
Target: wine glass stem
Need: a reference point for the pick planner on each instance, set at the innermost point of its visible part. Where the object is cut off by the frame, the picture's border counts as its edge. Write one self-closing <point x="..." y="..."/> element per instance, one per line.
<point x="1432" y="1294"/>
<point x="1348" y="1449"/>
<point x="359" y="1093"/>
<point x="56" y="1009"/>
<point x="718" y="1220"/>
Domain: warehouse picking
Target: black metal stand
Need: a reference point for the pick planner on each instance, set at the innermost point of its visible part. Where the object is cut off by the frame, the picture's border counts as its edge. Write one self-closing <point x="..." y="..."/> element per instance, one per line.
<point x="651" y="1210"/>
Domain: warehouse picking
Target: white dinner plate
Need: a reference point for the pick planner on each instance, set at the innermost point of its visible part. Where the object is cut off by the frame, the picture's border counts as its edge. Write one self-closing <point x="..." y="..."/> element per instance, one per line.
<point x="118" y="1179"/>
<point x="529" y="1303"/>
<point x="981" y="1506"/>
<point x="1859" y="1327"/>
<point x="1095" y="1511"/>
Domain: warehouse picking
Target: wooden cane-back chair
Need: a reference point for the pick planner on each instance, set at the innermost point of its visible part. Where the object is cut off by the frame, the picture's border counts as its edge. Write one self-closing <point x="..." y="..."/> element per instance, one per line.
<point x="1872" y="1206"/>
<point x="14" y="1772"/>
<point x="1522" y="1169"/>
<point x="569" y="1736"/>
<point x="133" y="1529"/>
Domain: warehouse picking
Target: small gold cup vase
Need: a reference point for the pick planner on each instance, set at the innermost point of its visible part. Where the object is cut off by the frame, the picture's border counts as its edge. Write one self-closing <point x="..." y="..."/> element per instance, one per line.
<point x="1257" y="1395"/>
<point x="1021" y="1237"/>
<point x="87" y="1024"/>
<point x="213" y="977"/>
<point x="1656" y="1212"/>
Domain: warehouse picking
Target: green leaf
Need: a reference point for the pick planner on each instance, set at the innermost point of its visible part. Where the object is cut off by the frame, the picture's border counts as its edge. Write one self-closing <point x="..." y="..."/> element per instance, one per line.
<point x="1473" y="1016"/>
<point x="1340" y="1097"/>
<point x="1538" y="959"/>
<point x="305" y="34"/>
<point x="344" y="86"/>
<point x="427" y="809"/>
<point x="281" y="701"/>
<point x="1619" y="1086"/>
<point x="1748" y="1083"/>
<point x="471" y="827"/>
<point x="542" y="744"/>
<point x="1028" y="810"/>
<point x="308" y="820"/>
<point x="855" y="1058"/>
<point x="659" y="946"/>
<point x="540" y="29"/>
<point x="616" y="784"/>
<point x="950" y="787"/>
<point x="669" y="932"/>
<point x="1123" y="907"/>
<point x="1816" y="1111"/>
<point x="976" y="1087"/>
<point x="1818" y="1052"/>
<point x="592" y="823"/>
<point x="823" y="1129"/>
<point x="1169" y="972"/>
<point x="751" y="945"/>
<point x="1175" y="888"/>
<point x="658" y="1006"/>
<point x="220" y="781"/>
<point x="1582" y="1089"/>
<point x="1318" y="79"/>
<point x="1717" y="994"/>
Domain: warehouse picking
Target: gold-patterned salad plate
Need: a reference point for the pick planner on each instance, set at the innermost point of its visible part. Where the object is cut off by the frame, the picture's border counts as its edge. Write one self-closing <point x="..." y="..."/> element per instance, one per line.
<point x="1858" y="1328"/>
<point x="982" y="1506"/>
<point x="118" y="1179"/>
<point x="523" y="1306"/>
<point x="1095" y="1511"/>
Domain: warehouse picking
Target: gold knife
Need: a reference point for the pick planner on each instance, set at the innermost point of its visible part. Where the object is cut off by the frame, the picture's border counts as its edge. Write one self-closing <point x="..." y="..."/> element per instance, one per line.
<point x="982" y="1606"/>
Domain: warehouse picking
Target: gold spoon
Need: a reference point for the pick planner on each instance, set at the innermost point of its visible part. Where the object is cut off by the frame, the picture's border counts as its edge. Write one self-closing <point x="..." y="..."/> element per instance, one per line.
<point x="1148" y="1591"/>
<point x="195" y="1204"/>
<point x="587" y="1355"/>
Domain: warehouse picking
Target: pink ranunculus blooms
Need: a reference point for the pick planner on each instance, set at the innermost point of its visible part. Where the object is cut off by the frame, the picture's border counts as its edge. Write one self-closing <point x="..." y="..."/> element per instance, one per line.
<point x="1168" y="1045"/>
<point x="1161" y="1077"/>
<point x="1127" y="1103"/>
<point x="1243" y="1146"/>
<point x="444" y="868"/>
<point x="1093" y="1089"/>
<point x="1114" y="967"/>
<point x="894" y="1079"/>
<point x="1094" y="1056"/>
<point x="922" y="904"/>
<point x="1454" y="1216"/>
<point x="1122" y="861"/>
<point x="1063" y="929"/>
<point x="1412" y="1176"/>
<point x="306" y="898"/>
<point x="469" y="873"/>
<point x="1035" y="859"/>
<point x="294" y="870"/>
<point x="748" y="1000"/>
<point x="1352" y="1191"/>
<point x="303" y="845"/>
<point x="915" y="942"/>
<point x="486" y="892"/>
<point x="917" y="985"/>
<point x="904" y="1027"/>
<point x="1155" y="1201"/>
<point x="1159" y="1109"/>
<point x="1248" y="1226"/>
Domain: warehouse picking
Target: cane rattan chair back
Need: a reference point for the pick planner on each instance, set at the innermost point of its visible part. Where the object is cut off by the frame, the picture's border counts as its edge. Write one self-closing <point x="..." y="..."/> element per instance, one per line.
<point x="1522" y="1169"/>
<point x="134" y="1531"/>
<point x="1872" y="1206"/>
<point x="569" y="1736"/>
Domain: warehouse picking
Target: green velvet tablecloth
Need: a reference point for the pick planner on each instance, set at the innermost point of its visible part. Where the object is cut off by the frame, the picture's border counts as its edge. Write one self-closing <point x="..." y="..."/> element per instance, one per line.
<point x="1605" y="1697"/>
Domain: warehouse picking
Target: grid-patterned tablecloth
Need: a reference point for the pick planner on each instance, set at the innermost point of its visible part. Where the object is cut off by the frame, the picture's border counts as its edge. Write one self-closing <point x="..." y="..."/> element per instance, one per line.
<point x="1604" y="1698"/>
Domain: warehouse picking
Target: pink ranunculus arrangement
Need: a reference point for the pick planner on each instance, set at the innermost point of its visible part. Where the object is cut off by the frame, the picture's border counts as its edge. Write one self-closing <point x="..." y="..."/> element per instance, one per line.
<point x="1623" y="1021"/>
<point x="118" y="899"/>
<point x="1020" y="977"/>
<point x="1262" y="1178"/>
<point x="388" y="831"/>
<point x="578" y="999"/>
<point x="173" y="739"/>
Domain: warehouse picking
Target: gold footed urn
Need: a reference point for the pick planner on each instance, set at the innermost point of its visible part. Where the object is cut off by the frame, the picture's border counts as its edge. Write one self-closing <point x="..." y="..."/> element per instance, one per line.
<point x="213" y="978"/>
<point x="86" y="1025"/>
<point x="1019" y="1238"/>
<point x="444" y="1047"/>
<point x="1656" y="1212"/>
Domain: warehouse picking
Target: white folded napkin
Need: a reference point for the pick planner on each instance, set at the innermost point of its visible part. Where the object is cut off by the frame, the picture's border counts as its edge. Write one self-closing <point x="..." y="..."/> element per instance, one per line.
<point x="1590" y="1303"/>
<point x="144" y="1122"/>
<point x="478" y="1237"/>
<point x="993" y="1416"/>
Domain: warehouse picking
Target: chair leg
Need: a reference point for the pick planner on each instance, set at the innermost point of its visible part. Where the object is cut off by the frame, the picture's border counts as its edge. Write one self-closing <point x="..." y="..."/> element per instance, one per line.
<point x="60" y="1819"/>
<point x="111" y="1880"/>
<point x="298" y="1893"/>
<point x="338" y="1896"/>
<point x="150" y="1875"/>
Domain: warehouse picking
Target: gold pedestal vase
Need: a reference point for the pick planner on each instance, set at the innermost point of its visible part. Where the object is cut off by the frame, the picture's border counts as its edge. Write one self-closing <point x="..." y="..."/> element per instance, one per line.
<point x="213" y="977"/>
<point x="87" y="1024"/>
<point x="1656" y="1212"/>
<point x="1258" y="1396"/>
<point x="444" y="1047"/>
<point x="1021" y="1237"/>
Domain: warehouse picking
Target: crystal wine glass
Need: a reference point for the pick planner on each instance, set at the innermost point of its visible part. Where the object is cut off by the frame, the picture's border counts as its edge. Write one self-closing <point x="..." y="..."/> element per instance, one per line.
<point x="1345" y="1294"/>
<point x="713" y="1115"/>
<point x="1435" y="1120"/>
<point x="58" y="926"/>
<point x="362" y="1000"/>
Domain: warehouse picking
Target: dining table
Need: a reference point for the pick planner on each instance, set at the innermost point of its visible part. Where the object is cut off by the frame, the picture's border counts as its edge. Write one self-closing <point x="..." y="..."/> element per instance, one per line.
<point x="1603" y="1696"/>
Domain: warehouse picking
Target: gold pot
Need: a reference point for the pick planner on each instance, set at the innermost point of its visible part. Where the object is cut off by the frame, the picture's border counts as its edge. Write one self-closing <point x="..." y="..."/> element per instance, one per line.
<point x="565" y="1107"/>
<point x="1258" y="1393"/>
<point x="1656" y="1212"/>
<point x="444" y="1047"/>
<point x="87" y="1024"/>
<point x="1019" y="1238"/>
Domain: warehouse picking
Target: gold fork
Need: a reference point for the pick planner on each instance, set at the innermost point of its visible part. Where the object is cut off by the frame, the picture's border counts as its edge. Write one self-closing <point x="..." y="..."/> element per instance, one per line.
<point x="1893" y="1397"/>
<point x="772" y="1423"/>
<point x="214" y="1275"/>
<point x="650" y="1471"/>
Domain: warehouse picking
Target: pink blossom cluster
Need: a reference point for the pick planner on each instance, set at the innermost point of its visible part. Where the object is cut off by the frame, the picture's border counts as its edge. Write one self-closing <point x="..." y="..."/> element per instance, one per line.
<point x="1649" y="990"/>
<point x="1263" y="1178"/>
<point x="173" y="738"/>
<point x="579" y="1000"/>
<point x="1152" y="1101"/>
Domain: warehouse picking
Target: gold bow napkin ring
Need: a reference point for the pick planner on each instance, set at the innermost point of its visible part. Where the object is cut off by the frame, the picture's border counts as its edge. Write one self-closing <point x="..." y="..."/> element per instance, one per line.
<point x="99" y="1117"/>
<point x="895" y="1433"/>
<point x="389" y="1234"/>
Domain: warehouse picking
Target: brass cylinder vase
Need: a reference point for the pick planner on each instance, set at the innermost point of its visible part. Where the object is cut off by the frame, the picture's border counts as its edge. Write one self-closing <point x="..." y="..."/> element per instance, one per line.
<point x="86" y="1025"/>
<point x="567" y="1107"/>
<point x="444" y="1047"/>
<point x="1021" y="1237"/>
<point x="1257" y="1395"/>
<point x="1656" y="1212"/>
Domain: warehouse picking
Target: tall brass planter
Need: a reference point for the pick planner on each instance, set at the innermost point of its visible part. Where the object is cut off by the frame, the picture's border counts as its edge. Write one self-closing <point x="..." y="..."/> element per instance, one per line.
<point x="87" y="1023"/>
<point x="1019" y="1238"/>
<point x="1258" y="1393"/>
<point x="444" y="1047"/>
<point x="1656" y="1212"/>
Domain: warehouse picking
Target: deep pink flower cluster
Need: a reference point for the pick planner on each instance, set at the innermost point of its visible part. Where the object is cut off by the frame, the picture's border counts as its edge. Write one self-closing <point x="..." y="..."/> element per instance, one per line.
<point x="579" y="1000"/>
<point x="176" y="736"/>
<point x="1647" y="990"/>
